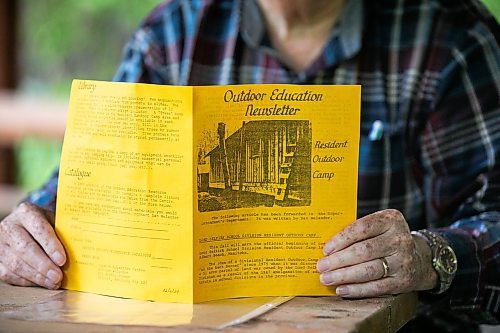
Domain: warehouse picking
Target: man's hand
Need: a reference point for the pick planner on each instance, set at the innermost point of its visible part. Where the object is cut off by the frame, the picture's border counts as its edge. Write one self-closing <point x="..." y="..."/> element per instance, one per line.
<point x="30" y="252"/>
<point x="354" y="258"/>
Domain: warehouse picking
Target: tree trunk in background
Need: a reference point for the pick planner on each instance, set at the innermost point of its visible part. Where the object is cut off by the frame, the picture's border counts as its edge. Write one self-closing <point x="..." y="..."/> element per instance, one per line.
<point x="8" y="76"/>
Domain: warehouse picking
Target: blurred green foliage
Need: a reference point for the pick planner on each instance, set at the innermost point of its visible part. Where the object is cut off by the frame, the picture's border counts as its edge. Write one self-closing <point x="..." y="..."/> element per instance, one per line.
<point x="61" y="40"/>
<point x="494" y="7"/>
<point x="66" y="39"/>
<point x="36" y="160"/>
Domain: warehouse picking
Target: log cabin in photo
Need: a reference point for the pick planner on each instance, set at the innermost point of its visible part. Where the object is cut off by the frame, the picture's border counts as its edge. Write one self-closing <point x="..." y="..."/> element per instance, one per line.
<point x="262" y="163"/>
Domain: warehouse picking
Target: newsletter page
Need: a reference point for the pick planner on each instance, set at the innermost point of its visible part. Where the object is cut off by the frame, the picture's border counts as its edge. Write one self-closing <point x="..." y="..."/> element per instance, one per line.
<point x="275" y="177"/>
<point x="124" y="211"/>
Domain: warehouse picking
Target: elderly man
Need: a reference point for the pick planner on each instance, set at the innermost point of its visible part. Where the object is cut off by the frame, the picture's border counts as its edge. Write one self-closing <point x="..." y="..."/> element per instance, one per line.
<point x="430" y="137"/>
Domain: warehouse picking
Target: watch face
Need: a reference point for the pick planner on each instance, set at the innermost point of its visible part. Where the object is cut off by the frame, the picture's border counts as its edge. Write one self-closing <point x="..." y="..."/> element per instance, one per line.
<point x="447" y="260"/>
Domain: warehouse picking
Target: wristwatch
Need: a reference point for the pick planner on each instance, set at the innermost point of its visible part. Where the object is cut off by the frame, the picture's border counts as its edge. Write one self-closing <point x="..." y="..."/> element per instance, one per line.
<point x="444" y="259"/>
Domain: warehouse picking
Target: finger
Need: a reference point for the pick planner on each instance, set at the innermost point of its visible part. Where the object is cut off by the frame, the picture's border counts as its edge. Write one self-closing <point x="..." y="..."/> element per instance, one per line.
<point x="15" y="265"/>
<point x="366" y="271"/>
<point x="375" y="288"/>
<point x="357" y="253"/>
<point x="366" y="227"/>
<point x="37" y="224"/>
<point x="23" y="248"/>
<point x="50" y="217"/>
<point x="11" y="278"/>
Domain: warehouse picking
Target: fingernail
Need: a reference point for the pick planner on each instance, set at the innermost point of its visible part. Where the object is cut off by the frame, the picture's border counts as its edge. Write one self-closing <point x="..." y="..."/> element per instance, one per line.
<point x="54" y="276"/>
<point x="325" y="279"/>
<point x="328" y="248"/>
<point x="58" y="258"/>
<point x="49" y="284"/>
<point x="322" y="265"/>
<point x="342" y="291"/>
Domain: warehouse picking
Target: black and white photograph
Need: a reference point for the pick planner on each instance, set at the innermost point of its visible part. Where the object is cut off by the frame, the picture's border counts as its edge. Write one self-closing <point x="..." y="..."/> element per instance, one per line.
<point x="263" y="163"/>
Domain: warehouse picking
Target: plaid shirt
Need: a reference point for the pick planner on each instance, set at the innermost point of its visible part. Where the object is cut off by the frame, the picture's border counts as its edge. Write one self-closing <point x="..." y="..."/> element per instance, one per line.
<point x="430" y="120"/>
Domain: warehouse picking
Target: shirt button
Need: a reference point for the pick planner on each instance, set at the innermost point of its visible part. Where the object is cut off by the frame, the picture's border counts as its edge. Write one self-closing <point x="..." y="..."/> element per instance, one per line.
<point x="376" y="131"/>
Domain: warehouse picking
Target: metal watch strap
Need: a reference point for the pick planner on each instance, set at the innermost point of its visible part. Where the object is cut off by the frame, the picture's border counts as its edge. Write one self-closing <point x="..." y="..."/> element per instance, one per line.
<point x="439" y="247"/>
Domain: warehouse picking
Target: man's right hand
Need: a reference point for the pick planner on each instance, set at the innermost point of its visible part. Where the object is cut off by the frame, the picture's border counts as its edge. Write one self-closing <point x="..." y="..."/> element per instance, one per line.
<point x="30" y="252"/>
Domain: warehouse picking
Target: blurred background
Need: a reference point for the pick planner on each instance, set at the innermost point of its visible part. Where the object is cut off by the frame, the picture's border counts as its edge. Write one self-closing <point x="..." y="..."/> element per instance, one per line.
<point x="44" y="44"/>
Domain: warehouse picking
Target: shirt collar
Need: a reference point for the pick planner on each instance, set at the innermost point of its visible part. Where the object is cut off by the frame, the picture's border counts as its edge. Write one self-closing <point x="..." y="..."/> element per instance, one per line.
<point x="348" y="28"/>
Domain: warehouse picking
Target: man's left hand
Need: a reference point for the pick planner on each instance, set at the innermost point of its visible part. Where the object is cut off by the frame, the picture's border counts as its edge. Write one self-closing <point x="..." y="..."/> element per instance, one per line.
<point x="377" y="255"/>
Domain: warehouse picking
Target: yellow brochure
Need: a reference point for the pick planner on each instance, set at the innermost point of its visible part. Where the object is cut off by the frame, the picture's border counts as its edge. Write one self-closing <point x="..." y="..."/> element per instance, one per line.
<point x="190" y="194"/>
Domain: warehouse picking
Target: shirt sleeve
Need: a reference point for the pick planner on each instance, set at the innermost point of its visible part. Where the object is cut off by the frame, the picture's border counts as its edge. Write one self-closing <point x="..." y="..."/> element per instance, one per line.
<point x="160" y="51"/>
<point x="461" y="155"/>
<point x="475" y="291"/>
<point x="45" y="197"/>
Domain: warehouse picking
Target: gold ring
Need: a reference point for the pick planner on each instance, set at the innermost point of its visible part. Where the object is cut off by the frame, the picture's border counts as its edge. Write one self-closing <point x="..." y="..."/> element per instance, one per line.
<point x="386" y="267"/>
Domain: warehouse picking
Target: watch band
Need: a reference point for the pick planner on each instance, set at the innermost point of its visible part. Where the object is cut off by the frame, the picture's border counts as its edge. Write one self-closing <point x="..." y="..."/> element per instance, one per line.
<point x="444" y="260"/>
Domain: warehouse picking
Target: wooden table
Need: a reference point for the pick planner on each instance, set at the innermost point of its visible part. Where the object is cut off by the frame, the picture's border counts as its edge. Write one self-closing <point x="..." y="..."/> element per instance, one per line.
<point x="301" y="314"/>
